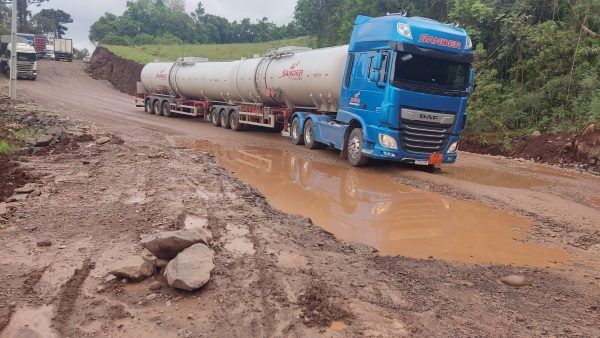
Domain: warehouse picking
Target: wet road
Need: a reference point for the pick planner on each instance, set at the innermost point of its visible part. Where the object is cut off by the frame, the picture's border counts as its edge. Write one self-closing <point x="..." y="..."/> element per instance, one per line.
<point x="517" y="213"/>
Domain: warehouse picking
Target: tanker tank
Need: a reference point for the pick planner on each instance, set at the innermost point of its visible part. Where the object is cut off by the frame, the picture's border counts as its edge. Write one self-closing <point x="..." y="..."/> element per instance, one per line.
<point x="310" y="79"/>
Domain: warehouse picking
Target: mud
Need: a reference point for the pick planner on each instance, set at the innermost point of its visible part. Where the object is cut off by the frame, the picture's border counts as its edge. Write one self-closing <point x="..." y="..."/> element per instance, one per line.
<point x="123" y="74"/>
<point x="146" y="184"/>
<point x="364" y="207"/>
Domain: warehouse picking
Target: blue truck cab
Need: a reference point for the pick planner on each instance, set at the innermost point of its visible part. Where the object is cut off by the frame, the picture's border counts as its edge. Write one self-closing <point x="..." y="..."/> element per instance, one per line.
<point x="404" y="96"/>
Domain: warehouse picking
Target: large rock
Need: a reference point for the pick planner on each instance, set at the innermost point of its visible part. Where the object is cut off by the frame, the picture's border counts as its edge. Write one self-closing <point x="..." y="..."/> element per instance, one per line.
<point x="3" y="209"/>
<point x="191" y="269"/>
<point x="587" y="146"/>
<point x="167" y="245"/>
<point x="134" y="268"/>
<point x="43" y="140"/>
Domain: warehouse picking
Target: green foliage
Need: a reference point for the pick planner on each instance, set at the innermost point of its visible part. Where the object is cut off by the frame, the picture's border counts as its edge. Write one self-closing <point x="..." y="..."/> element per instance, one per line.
<point x="216" y="52"/>
<point x="51" y="21"/>
<point x="79" y="54"/>
<point x="6" y="148"/>
<point x="24" y="134"/>
<point x="166" y="20"/>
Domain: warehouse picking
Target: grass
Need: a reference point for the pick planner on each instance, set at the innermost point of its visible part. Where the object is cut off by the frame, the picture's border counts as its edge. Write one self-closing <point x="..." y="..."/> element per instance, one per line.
<point x="225" y="52"/>
<point x="24" y="134"/>
<point x="6" y="148"/>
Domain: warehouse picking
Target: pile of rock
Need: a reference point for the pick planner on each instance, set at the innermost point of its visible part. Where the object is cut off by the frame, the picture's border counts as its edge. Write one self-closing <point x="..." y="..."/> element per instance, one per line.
<point x="21" y="194"/>
<point x="185" y="255"/>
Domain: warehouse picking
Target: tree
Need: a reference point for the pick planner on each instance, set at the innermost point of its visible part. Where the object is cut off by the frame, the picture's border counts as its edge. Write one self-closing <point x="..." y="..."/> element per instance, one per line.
<point x="81" y="53"/>
<point x="50" y="21"/>
<point x="23" y="13"/>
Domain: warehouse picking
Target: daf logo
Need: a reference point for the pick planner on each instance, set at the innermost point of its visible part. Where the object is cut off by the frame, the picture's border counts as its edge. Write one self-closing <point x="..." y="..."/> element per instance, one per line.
<point x="429" y="117"/>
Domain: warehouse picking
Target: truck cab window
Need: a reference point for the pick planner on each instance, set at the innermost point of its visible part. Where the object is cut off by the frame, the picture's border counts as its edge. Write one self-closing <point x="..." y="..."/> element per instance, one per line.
<point x="349" y="70"/>
<point x="424" y="72"/>
<point x="383" y="70"/>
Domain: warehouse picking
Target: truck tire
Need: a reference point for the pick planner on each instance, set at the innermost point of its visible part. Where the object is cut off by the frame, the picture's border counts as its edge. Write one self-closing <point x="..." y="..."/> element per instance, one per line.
<point x="214" y="118"/>
<point x="148" y="106"/>
<point x="166" y="109"/>
<point x="234" y="121"/>
<point x="355" y="146"/>
<point x="224" y="119"/>
<point x="156" y="109"/>
<point x="309" y="136"/>
<point x="296" y="133"/>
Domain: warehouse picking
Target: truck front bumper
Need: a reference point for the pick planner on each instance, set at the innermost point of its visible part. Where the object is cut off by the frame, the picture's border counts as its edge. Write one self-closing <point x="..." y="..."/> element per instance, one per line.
<point x="377" y="151"/>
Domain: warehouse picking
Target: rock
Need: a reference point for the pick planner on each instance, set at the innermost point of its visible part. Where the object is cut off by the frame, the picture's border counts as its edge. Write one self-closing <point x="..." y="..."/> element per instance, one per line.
<point x="35" y="193"/>
<point x="3" y="209"/>
<point x="103" y="140"/>
<point x="592" y="161"/>
<point x="43" y="140"/>
<point x="155" y="286"/>
<point x="167" y="245"/>
<point x="28" y="188"/>
<point x="17" y="198"/>
<point x="151" y="297"/>
<point x="54" y="131"/>
<point x="536" y="134"/>
<point x="191" y="269"/>
<point x="515" y="280"/>
<point x="161" y="263"/>
<point x="135" y="268"/>
<point x="44" y="242"/>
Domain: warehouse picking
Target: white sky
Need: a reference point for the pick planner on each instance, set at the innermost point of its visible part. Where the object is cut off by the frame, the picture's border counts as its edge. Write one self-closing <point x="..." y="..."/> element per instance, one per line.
<point x="86" y="12"/>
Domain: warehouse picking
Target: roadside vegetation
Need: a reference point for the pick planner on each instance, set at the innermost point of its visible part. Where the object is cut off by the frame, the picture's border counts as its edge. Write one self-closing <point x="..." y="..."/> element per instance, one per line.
<point x="214" y="52"/>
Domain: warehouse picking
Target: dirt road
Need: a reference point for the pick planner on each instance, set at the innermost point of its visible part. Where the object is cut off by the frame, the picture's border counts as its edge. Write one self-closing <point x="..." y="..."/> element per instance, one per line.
<point x="444" y="239"/>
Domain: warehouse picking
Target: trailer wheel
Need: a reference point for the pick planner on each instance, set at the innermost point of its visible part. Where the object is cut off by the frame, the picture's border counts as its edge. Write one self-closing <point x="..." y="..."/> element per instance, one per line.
<point x="309" y="136"/>
<point x="156" y="108"/>
<point x="214" y="118"/>
<point x="224" y="119"/>
<point x="166" y="109"/>
<point x="234" y="121"/>
<point x="355" y="146"/>
<point x="148" y="106"/>
<point x="296" y="133"/>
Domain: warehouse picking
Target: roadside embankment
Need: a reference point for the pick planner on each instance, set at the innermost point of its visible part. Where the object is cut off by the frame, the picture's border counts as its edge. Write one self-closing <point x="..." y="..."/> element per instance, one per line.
<point x="123" y="74"/>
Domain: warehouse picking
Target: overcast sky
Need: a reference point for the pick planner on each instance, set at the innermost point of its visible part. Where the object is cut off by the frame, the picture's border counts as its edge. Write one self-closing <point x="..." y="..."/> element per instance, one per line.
<point x="85" y="13"/>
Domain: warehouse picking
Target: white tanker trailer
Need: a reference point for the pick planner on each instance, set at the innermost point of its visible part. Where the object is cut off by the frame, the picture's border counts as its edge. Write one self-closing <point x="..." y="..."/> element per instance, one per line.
<point x="398" y="91"/>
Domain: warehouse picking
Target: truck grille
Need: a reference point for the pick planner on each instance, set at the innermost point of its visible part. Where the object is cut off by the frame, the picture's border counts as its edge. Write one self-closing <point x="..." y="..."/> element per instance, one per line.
<point x="24" y="67"/>
<point x="420" y="136"/>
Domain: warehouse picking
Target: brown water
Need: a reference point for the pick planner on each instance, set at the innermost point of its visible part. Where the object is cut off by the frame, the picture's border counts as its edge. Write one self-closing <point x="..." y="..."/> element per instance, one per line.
<point x="494" y="178"/>
<point x="358" y="205"/>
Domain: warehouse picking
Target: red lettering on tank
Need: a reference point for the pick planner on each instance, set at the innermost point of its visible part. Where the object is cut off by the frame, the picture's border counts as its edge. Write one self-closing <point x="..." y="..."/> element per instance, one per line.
<point x="162" y="75"/>
<point x="293" y="73"/>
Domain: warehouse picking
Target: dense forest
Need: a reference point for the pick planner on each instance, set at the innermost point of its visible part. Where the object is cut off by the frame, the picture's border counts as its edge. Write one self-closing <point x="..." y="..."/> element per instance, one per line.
<point x="47" y="21"/>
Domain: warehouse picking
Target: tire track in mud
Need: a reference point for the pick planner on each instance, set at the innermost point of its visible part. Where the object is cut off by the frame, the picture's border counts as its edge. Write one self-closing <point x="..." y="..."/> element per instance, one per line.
<point x="69" y="292"/>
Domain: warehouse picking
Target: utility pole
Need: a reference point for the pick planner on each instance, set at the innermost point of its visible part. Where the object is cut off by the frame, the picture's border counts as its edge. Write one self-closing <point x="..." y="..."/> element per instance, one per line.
<point x="13" y="53"/>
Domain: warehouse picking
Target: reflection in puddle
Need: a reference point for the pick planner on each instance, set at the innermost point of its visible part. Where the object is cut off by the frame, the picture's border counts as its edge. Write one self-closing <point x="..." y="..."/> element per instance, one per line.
<point x="359" y="205"/>
<point x="492" y="177"/>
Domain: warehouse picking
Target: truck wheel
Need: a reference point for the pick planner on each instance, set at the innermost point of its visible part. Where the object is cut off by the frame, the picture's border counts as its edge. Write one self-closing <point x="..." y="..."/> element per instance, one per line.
<point x="309" y="136"/>
<point x="234" y="121"/>
<point x="156" y="108"/>
<point x="166" y="109"/>
<point x="148" y="106"/>
<point x="355" y="146"/>
<point x="214" y="118"/>
<point x="295" y="132"/>
<point x="224" y="119"/>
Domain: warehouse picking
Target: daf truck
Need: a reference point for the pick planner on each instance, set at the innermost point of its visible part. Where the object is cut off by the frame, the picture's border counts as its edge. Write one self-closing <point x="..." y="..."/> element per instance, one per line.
<point x="397" y="92"/>
<point x="26" y="58"/>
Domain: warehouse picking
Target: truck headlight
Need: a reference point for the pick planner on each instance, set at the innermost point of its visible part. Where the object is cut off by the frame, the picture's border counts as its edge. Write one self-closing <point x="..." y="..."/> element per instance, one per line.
<point x="453" y="148"/>
<point x="388" y="142"/>
<point x="404" y="30"/>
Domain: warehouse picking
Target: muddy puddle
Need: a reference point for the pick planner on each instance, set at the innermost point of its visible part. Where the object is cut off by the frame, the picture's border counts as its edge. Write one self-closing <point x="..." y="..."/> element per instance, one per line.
<point x="359" y="205"/>
<point x="492" y="177"/>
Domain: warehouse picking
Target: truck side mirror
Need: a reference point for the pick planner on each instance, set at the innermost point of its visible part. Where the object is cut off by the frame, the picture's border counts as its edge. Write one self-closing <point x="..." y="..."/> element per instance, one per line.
<point x="375" y="75"/>
<point x="378" y="61"/>
<point x="471" y="88"/>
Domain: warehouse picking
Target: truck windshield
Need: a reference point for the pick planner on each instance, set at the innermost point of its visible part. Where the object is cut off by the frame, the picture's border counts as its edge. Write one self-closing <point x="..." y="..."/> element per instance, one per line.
<point x="26" y="57"/>
<point x="423" y="73"/>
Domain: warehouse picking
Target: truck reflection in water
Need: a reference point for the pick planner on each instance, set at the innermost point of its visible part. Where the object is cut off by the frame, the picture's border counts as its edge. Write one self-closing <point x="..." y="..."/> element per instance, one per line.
<point x="365" y="207"/>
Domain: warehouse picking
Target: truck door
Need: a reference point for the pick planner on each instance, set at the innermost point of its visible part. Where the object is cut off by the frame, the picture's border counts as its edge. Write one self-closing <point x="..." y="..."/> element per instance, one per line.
<point x="363" y="95"/>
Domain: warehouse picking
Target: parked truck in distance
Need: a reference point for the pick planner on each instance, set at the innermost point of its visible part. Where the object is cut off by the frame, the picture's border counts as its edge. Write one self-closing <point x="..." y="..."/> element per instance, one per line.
<point x="26" y="58"/>
<point x="36" y="41"/>
<point x="397" y="92"/>
<point x="63" y="50"/>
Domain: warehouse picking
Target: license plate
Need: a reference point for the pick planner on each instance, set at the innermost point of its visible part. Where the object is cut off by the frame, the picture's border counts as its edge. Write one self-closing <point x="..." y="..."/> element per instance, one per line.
<point x="421" y="162"/>
<point x="436" y="158"/>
